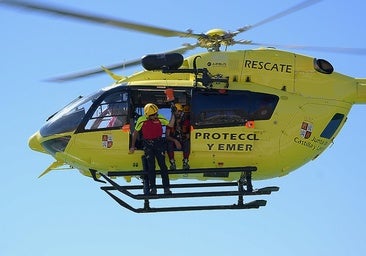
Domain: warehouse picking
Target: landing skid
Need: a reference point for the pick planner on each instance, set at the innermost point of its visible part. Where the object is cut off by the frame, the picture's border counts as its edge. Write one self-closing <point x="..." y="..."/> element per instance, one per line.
<point x="244" y="188"/>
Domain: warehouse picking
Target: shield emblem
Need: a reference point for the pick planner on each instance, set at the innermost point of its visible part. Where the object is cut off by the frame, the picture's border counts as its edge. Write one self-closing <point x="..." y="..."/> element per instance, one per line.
<point x="306" y="130"/>
<point x="107" y="141"/>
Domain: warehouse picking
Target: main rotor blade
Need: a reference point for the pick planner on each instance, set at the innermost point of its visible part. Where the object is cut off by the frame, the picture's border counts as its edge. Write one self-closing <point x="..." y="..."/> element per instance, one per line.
<point x="286" y="12"/>
<point x="121" y="65"/>
<point x="100" y="19"/>
<point x="95" y="71"/>
<point x="345" y="50"/>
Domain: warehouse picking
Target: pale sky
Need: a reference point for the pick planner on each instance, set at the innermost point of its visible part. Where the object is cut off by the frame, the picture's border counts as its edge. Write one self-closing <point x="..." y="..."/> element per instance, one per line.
<point x="319" y="210"/>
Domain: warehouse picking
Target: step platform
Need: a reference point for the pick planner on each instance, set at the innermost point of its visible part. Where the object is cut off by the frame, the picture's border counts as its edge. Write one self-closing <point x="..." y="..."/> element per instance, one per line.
<point x="195" y="190"/>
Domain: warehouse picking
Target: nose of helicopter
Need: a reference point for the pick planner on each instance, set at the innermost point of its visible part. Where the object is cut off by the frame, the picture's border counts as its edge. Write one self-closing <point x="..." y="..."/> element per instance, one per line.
<point x="34" y="143"/>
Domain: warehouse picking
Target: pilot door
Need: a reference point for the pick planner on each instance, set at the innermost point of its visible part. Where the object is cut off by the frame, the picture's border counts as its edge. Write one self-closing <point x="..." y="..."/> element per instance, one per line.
<point x="103" y="135"/>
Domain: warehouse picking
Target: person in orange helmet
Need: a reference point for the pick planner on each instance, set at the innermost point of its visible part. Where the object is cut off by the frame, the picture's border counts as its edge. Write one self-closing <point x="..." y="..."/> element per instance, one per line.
<point x="178" y="136"/>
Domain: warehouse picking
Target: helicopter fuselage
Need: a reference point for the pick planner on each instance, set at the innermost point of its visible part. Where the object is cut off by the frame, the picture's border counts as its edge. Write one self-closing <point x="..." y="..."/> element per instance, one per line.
<point x="271" y="109"/>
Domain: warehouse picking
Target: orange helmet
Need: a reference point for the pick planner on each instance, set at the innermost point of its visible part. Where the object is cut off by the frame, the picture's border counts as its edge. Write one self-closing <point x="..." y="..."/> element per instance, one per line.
<point x="186" y="108"/>
<point x="150" y="109"/>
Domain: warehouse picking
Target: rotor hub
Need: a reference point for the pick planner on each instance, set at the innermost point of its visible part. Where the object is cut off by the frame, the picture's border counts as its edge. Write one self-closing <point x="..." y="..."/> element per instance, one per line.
<point x="214" y="38"/>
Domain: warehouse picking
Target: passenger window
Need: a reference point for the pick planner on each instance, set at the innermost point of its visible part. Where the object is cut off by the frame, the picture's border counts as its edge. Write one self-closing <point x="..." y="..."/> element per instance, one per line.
<point x="230" y="108"/>
<point x="332" y="126"/>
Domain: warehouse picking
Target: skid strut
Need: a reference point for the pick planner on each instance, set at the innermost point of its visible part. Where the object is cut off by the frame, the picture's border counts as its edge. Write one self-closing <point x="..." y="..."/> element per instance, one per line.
<point x="244" y="188"/>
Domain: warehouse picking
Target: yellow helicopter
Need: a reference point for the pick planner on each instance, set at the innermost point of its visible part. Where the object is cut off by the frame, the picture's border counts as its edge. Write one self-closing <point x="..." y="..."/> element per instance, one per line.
<point x="254" y="114"/>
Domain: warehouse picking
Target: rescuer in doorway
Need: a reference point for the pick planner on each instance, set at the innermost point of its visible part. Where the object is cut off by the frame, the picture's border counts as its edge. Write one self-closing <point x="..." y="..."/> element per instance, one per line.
<point x="178" y="136"/>
<point x="151" y="124"/>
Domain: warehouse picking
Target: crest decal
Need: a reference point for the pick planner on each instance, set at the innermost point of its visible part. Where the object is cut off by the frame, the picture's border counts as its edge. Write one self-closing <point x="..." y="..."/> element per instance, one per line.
<point x="107" y="141"/>
<point x="306" y="130"/>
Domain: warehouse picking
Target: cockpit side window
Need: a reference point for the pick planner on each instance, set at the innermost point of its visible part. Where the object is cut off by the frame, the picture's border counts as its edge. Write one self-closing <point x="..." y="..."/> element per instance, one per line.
<point x="111" y="113"/>
<point x="224" y="108"/>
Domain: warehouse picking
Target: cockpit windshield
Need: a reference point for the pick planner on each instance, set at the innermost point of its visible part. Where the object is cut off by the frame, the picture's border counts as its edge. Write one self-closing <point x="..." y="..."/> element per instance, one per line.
<point x="68" y="118"/>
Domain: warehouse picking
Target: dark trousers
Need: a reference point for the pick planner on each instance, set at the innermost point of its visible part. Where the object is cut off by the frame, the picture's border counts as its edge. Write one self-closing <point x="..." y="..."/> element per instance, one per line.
<point x="185" y="148"/>
<point x="155" y="149"/>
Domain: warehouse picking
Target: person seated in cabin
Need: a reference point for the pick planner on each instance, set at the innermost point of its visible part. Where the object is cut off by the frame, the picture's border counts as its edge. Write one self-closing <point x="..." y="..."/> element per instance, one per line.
<point x="178" y="137"/>
<point x="112" y="116"/>
<point x="118" y="114"/>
